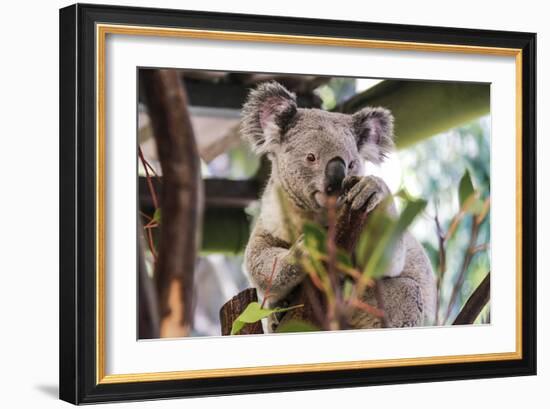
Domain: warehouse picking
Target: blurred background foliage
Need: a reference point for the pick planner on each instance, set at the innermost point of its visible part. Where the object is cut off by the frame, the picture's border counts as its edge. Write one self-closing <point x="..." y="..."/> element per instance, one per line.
<point x="432" y="170"/>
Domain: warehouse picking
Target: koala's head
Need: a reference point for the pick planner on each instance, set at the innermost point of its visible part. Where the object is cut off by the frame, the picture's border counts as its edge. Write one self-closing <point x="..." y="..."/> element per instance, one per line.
<point x="312" y="150"/>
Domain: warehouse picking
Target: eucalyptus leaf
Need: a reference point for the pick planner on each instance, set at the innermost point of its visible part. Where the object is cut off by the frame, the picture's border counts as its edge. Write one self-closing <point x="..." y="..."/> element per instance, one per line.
<point x="347" y="289"/>
<point x="362" y="249"/>
<point x="403" y="194"/>
<point x="411" y="211"/>
<point x="344" y="258"/>
<point x="254" y="313"/>
<point x="465" y="188"/>
<point x="315" y="237"/>
<point x="157" y="216"/>
<point x="374" y="254"/>
<point x="468" y="196"/>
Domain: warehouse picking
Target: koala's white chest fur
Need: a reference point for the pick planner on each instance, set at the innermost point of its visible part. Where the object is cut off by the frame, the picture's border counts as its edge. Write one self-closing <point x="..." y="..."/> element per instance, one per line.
<point x="283" y="221"/>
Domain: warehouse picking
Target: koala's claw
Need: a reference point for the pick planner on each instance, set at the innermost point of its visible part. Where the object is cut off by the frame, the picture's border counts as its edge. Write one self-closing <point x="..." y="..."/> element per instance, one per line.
<point x="349" y="182"/>
<point x="366" y="194"/>
<point x="366" y="199"/>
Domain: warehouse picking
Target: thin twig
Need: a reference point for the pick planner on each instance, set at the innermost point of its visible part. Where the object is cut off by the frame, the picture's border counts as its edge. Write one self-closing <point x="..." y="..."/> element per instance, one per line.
<point x="148" y="178"/>
<point x="151" y="244"/>
<point x="312" y="273"/>
<point x="485" y="209"/>
<point x="315" y="304"/>
<point x="460" y="215"/>
<point x="269" y="282"/>
<point x="442" y="264"/>
<point x="333" y="307"/>
<point x="341" y="267"/>
<point x="468" y="256"/>
<point x="481" y="247"/>
<point x="151" y="168"/>
<point x="145" y="215"/>
<point x="371" y="309"/>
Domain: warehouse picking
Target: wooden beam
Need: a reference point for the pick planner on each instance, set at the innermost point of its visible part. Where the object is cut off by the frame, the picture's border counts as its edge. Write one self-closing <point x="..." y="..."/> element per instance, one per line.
<point x="225" y="225"/>
<point x="217" y="192"/>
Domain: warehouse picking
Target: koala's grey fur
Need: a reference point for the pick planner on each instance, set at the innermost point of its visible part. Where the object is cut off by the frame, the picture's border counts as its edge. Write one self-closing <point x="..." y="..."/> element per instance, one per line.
<point x="275" y="126"/>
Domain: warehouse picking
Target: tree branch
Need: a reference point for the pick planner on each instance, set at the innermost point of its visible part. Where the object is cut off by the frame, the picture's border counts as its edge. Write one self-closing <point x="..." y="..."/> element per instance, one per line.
<point x="468" y="256"/>
<point x="148" y="327"/>
<point x="181" y="202"/>
<point x="234" y="307"/>
<point x="476" y="302"/>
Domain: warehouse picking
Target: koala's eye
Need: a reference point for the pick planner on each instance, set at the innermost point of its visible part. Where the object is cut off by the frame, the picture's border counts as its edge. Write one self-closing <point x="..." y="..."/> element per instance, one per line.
<point x="310" y="157"/>
<point x="351" y="164"/>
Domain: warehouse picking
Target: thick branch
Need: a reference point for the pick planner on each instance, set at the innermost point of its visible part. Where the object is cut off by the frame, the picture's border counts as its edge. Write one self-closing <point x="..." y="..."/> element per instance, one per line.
<point x="476" y="302"/>
<point x="181" y="198"/>
<point x="148" y="327"/>
<point x="218" y="193"/>
<point x="234" y="307"/>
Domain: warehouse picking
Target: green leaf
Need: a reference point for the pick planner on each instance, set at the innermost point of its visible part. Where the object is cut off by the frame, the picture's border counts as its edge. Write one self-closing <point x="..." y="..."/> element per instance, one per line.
<point x="404" y="194"/>
<point x="367" y="241"/>
<point x="254" y="313"/>
<point x="362" y="249"/>
<point x="296" y="326"/>
<point x="378" y="240"/>
<point x="465" y="188"/>
<point x="378" y="257"/>
<point x="379" y="225"/>
<point x="315" y="237"/>
<point x="344" y="258"/>
<point x="412" y="209"/>
<point x="157" y="216"/>
<point x="467" y="193"/>
<point x="347" y="289"/>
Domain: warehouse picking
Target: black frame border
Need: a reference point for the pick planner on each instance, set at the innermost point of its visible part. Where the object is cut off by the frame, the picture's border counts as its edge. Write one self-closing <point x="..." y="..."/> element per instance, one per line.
<point x="78" y="197"/>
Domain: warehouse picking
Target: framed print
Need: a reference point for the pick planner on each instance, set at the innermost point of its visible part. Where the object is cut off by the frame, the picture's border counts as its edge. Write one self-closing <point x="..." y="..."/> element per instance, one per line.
<point x="258" y="203"/>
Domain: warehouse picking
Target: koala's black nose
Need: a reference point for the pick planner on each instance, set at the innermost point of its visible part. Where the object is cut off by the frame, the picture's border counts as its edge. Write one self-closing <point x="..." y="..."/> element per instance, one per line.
<point x="335" y="172"/>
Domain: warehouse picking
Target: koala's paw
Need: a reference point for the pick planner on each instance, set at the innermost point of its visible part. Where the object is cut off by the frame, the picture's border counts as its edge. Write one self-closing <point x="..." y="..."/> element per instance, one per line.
<point x="367" y="193"/>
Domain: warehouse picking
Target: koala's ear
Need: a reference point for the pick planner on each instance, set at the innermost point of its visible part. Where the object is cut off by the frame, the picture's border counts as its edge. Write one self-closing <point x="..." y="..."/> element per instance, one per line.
<point x="269" y="110"/>
<point x="373" y="129"/>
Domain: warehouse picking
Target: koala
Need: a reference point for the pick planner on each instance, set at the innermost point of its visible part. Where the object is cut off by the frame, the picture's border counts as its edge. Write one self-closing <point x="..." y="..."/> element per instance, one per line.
<point x="314" y="154"/>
